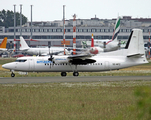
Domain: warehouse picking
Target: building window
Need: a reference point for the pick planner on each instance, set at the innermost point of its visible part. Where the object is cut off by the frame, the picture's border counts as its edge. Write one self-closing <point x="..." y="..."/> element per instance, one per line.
<point x="41" y="30"/>
<point x="45" y="30"/>
<point x="36" y="30"/>
<point x="27" y="30"/>
<point x="23" y="30"/>
<point x="84" y="30"/>
<point x="106" y="30"/>
<point x="79" y="30"/>
<point x="50" y="30"/>
<point x="71" y="30"/>
<point x="111" y="30"/>
<point x="128" y="30"/>
<point x="93" y="30"/>
<point x="124" y="30"/>
<point x="102" y="30"/>
<point x="54" y="30"/>
<point x="98" y="30"/>
<point x="89" y="30"/>
<point x="68" y="30"/>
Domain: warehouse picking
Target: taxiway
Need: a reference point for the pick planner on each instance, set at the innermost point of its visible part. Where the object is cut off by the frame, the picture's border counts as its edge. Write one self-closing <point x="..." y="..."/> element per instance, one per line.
<point x="19" y="80"/>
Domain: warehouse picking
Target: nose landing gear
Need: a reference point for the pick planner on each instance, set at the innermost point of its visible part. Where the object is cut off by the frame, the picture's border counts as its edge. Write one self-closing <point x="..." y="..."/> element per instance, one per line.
<point x="12" y="74"/>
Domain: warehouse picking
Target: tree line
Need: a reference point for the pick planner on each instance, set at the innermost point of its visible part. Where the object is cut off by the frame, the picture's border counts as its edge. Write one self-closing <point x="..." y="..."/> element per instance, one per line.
<point x="7" y="18"/>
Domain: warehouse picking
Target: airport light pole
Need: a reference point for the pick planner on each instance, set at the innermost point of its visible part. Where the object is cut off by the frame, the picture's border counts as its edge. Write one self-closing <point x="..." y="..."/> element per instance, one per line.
<point x="31" y="27"/>
<point x="14" y="28"/>
<point x="64" y="27"/>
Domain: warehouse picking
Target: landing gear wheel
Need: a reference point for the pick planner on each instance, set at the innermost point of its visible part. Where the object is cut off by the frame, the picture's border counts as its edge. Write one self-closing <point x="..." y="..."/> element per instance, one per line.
<point x="63" y="74"/>
<point x="75" y="74"/>
<point x="12" y="75"/>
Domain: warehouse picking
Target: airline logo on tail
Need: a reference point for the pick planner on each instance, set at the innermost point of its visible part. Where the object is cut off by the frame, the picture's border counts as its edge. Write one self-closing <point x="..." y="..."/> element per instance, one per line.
<point x="116" y="30"/>
<point x="4" y="42"/>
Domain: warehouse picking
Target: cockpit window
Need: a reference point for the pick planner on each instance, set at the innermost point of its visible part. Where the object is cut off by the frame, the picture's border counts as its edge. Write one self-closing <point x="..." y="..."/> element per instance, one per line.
<point x="20" y="60"/>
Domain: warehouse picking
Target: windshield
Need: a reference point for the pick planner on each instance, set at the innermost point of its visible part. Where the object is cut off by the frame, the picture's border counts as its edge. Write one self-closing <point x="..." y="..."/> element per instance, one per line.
<point x="20" y="60"/>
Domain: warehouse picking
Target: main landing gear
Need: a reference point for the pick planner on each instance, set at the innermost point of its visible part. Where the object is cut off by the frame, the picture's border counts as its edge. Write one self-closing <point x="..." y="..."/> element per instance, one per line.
<point x="64" y="74"/>
<point x="12" y="74"/>
<point x="75" y="74"/>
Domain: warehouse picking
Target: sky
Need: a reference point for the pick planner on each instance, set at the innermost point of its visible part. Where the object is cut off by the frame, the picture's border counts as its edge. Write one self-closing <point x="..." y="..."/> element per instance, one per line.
<point x="50" y="10"/>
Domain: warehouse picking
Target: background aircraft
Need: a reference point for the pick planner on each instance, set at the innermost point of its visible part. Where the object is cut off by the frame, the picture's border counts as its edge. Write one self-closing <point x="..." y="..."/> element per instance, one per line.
<point x="3" y="45"/>
<point x="107" y="45"/>
<point x="39" y="51"/>
<point x="132" y="55"/>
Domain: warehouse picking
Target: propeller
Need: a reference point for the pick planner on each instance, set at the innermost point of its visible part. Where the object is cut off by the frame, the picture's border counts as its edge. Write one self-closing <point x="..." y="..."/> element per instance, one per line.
<point x="51" y="54"/>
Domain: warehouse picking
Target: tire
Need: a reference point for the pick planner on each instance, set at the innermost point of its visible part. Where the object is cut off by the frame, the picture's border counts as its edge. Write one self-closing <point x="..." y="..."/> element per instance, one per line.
<point x="12" y="75"/>
<point x="75" y="74"/>
<point x="63" y="74"/>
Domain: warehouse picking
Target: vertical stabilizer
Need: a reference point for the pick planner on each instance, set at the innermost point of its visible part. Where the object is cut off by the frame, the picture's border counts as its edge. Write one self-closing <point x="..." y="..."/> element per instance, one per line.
<point x="116" y="28"/>
<point x="135" y="44"/>
<point x="4" y="42"/>
<point x="23" y="44"/>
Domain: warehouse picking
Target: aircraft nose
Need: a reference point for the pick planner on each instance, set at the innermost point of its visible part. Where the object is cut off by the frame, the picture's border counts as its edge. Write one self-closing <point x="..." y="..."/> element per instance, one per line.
<point x="6" y="66"/>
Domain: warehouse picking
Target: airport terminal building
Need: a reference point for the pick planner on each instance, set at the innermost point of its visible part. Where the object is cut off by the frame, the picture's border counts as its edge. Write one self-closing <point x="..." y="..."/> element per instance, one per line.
<point x="43" y="32"/>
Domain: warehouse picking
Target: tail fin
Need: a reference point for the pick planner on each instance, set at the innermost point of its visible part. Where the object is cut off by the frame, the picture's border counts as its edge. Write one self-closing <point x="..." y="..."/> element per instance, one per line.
<point x="23" y="44"/>
<point x="4" y="42"/>
<point x="135" y="44"/>
<point x="116" y="29"/>
<point x="84" y="44"/>
<point x="92" y="41"/>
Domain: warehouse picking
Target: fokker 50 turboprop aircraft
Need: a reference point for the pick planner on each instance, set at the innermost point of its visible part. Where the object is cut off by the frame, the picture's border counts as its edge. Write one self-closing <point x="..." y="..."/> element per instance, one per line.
<point x="132" y="55"/>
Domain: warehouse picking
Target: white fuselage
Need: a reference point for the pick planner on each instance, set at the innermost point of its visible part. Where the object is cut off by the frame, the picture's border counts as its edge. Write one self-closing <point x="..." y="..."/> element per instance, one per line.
<point x="44" y="51"/>
<point x="104" y="62"/>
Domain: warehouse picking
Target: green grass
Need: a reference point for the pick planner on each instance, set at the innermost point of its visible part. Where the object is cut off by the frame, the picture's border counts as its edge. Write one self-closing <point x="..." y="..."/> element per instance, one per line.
<point x="66" y="101"/>
<point x="6" y="60"/>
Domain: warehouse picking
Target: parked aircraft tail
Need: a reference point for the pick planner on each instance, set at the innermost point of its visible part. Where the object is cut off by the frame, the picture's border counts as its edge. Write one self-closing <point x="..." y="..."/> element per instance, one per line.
<point x="135" y="44"/>
<point x="4" y="42"/>
<point x="84" y="44"/>
<point x="116" y="30"/>
<point x="23" y="44"/>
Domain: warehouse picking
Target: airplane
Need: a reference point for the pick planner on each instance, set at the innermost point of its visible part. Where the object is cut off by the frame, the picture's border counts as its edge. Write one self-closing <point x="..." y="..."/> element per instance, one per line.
<point x="107" y="45"/>
<point x="3" y="45"/>
<point x="39" y="51"/>
<point x="132" y="55"/>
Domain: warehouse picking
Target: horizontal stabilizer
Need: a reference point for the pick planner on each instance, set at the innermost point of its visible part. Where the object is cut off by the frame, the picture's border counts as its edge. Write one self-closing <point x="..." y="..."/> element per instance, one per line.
<point x="136" y="55"/>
